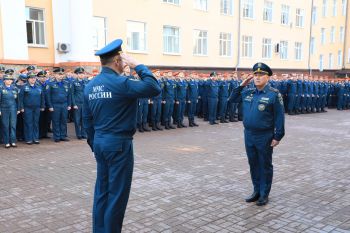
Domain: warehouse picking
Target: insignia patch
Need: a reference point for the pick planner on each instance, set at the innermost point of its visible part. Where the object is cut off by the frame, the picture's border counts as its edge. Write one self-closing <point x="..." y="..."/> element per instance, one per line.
<point x="280" y="98"/>
<point x="47" y="87"/>
<point x="261" y="107"/>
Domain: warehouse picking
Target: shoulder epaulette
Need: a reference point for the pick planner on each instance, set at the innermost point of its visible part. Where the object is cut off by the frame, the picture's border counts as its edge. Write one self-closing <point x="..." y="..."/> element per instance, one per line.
<point x="274" y="89"/>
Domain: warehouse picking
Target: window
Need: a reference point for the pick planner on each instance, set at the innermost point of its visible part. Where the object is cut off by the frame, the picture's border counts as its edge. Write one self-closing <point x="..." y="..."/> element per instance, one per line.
<point x="201" y="5"/>
<point x="226" y="7"/>
<point x="176" y="2"/>
<point x="35" y="24"/>
<point x="298" y="51"/>
<point x="225" y="44"/>
<point x="171" y="42"/>
<point x="314" y="15"/>
<point x="299" y="22"/>
<point x="99" y="32"/>
<point x="247" y="46"/>
<point x="285" y="15"/>
<point x="334" y="11"/>
<point x="321" y="63"/>
<point x="312" y="45"/>
<point x="136" y="36"/>
<point x="324" y="8"/>
<point x="267" y="11"/>
<point x="343" y="7"/>
<point x="266" y="48"/>
<point x="341" y="34"/>
<point x="200" y="46"/>
<point x="323" y="36"/>
<point x="340" y="58"/>
<point x="248" y="9"/>
<point x="330" y="65"/>
<point x="332" y="34"/>
<point x="284" y="50"/>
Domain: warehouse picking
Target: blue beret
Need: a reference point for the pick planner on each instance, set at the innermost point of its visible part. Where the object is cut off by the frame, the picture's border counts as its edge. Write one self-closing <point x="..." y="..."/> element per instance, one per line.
<point x="79" y="70"/>
<point x="58" y="70"/>
<point x="29" y="68"/>
<point x="41" y="73"/>
<point x="9" y="71"/>
<point x="111" y="49"/>
<point x="262" y="68"/>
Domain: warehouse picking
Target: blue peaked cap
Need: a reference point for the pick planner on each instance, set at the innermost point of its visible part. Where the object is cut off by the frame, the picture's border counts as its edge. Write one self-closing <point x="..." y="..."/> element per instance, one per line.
<point x="111" y="49"/>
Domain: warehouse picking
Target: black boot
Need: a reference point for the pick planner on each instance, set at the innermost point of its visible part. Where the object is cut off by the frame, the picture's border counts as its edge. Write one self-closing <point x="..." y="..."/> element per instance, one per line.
<point x="167" y="126"/>
<point x="158" y="126"/>
<point x="194" y="124"/>
<point x="145" y="127"/>
<point x="179" y="125"/>
<point x="171" y="126"/>
<point x="154" y="126"/>
<point x="140" y="129"/>
<point x="183" y="125"/>
<point x="190" y="124"/>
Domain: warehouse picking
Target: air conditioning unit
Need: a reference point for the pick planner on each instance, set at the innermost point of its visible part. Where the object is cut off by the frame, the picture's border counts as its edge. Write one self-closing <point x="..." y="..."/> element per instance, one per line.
<point x="63" y="47"/>
<point x="277" y="48"/>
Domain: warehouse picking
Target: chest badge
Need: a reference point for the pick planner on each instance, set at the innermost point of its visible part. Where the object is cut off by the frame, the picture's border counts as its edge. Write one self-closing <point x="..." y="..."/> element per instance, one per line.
<point x="261" y="107"/>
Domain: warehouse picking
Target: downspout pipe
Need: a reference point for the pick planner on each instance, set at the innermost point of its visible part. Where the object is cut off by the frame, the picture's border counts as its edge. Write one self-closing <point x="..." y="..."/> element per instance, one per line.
<point x="239" y="35"/>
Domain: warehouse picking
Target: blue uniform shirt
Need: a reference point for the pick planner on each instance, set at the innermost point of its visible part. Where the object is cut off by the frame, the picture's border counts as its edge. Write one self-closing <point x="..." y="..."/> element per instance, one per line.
<point x="58" y="93"/>
<point x="32" y="96"/>
<point x="262" y="110"/>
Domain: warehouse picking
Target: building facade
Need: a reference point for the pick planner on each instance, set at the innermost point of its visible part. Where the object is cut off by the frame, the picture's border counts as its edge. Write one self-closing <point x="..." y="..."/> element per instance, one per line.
<point x="305" y="36"/>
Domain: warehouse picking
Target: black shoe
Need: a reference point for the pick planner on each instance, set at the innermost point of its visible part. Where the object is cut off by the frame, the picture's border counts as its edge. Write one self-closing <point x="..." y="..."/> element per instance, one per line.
<point x="57" y="140"/>
<point x="190" y="124"/>
<point x="46" y="137"/>
<point x="83" y="137"/>
<point x="167" y="126"/>
<point x="179" y="126"/>
<point x="254" y="197"/>
<point x="145" y="127"/>
<point x="79" y="138"/>
<point x="159" y="127"/>
<point x="141" y="129"/>
<point x="171" y="126"/>
<point x="262" y="201"/>
<point x="215" y="123"/>
<point x="183" y="125"/>
<point x="36" y="142"/>
<point x="49" y="130"/>
<point x="211" y="123"/>
<point x="64" y="139"/>
<point x="194" y="124"/>
<point x="224" y="121"/>
<point x="29" y="143"/>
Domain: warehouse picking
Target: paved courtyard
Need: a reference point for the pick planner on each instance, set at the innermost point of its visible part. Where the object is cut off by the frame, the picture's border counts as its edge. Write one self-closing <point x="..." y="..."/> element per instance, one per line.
<point x="188" y="180"/>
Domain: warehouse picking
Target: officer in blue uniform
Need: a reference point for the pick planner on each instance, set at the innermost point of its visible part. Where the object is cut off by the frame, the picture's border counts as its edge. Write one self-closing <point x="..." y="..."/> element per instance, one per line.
<point x="192" y="99"/>
<point x="263" y="120"/>
<point x="78" y="87"/>
<point x="169" y="93"/>
<point x="180" y="100"/>
<point x="223" y="97"/>
<point x="32" y="102"/>
<point x="44" y="119"/>
<point x="156" y="106"/>
<point x="109" y="114"/>
<point x="2" y="72"/>
<point x="59" y="102"/>
<point x="9" y="108"/>
<point x="213" y="95"/>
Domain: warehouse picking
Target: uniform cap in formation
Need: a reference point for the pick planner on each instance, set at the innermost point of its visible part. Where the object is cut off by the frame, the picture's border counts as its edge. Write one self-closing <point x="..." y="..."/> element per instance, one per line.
<point x="9" y="71"/>
<point x="212" y="74"/>
<point x="2" y="69"/>
<point x="29" y="68"/>
<point x="41" y="73"/>
<point x="58" y="70"/>
<point x="262" y="68"/>
<point x="31" y="74"/>
<point x="111" y="49"/>
<point x="22" y="77"/>
<point x="79" y="70"/>
<point x="8" y="77"/>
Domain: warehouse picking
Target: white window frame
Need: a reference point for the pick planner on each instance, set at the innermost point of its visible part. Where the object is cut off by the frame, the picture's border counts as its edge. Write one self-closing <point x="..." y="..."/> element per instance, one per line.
<point x="226" y="7"/>
<point x="247" y="46"/>
<point x="97" y="34"/>
<point x="343" y="7"/>
<point x="285" y="9"/>
<point x="130" y="49"/>
<point x="341" y="34"/>
<point x="173" y="2"/>
<point x="202" y="40"/>
<point x="284" y="53"/>
<point x="298" y="51"/>
<point x="324" y="8"/>
<point x="340" y="58"/>
<point x="225" y="43"/>
<point x="334" y="9"/>
<point x="321" y="62"/>
<point x="330" y="61"/>
<point x="332" y="35"/>
<point x="312" y="45"/>
<point x="299" y="17"/>
<point x="33" y="22"/>
<point x="175" y="38"/>
<point x="314" y="15"/>
<point x="266" y="48"/>
<point x="268" y="11"/>
<point x="197" y="4"/>
<point x="248" y="9"/>
<point x="323" y="36"/>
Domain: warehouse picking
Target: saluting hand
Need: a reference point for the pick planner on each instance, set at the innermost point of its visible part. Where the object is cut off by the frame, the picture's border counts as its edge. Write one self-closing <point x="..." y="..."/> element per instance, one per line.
<point x="128" y="60"/>
<point x="274" y="143"/>
<point x="247" y="80"/>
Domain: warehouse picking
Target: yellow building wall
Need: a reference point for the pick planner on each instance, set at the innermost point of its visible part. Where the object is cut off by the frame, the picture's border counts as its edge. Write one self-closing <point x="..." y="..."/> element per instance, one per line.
<point x="43" y="55"/>
<point x="327" y="23"/>
<point x="155" y="14"/>
<point x="1" y="42"/>
<point x="347" y="40"/>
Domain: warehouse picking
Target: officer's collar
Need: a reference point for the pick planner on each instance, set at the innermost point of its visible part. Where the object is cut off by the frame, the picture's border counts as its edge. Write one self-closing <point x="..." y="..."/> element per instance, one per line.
<point x="106" y="69"/>
<point x="264" y="90"/>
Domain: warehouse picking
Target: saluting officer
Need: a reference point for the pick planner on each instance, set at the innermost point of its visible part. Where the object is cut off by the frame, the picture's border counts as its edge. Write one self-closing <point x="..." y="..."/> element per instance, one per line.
<point x="263" y="120"/>
<point x="78" y="87"/>
<point x="59" y="102"/>
<point x="32" y="102"/>
<point x="9" y="108"/>
<point x="109" y="114"/>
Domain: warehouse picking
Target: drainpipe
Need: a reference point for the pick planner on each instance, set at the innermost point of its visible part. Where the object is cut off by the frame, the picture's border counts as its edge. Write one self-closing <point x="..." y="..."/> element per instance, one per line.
<point x="310" y="35"/>
<point x="345" y="33"/>
<point x="239" y="35"/>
